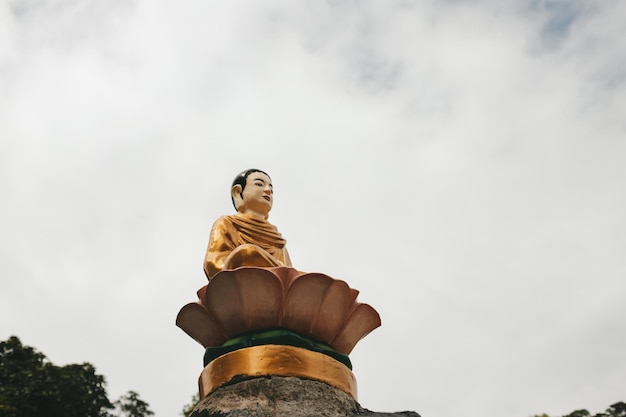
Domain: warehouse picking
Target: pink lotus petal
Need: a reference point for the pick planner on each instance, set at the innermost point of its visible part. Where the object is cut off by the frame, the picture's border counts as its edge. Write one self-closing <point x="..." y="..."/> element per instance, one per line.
<point x="333" y="311"/>
<point x="362" y="320"/>
<point x="250" y="298"/>
<point x="198" y="323"/>
<point x="303" y="301"/>
<point x="287" y="276"/>
<point x="261" y="295"/>
<point x="224" y="303"/>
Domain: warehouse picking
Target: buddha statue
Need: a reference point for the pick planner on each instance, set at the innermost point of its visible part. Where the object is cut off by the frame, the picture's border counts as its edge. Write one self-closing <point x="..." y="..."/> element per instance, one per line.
<point x="268" y="318"/>
<point x="246" y="238"/>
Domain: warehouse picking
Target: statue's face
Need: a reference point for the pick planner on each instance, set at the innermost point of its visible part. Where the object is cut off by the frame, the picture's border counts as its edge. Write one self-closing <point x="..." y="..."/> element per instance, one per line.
<point x="258" y="195"/>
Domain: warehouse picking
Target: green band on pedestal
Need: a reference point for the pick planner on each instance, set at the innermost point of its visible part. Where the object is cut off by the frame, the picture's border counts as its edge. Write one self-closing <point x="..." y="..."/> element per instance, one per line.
<point x="274" y="337"/>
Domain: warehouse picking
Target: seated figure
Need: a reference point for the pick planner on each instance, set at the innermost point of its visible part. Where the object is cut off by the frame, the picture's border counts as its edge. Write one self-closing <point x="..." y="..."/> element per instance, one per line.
<point x="270" y="303"/>
<point x="247" y="238"/>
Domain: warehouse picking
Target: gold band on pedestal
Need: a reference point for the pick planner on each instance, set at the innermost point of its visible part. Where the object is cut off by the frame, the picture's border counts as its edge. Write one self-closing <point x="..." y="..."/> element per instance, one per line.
<point x="279" y="360"/>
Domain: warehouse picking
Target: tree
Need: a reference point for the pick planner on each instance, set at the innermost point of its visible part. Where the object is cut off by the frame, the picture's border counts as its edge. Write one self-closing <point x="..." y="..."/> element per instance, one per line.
<point x="130" y="405"/>
<point x="77" y="391"/>
<point x="189" y="407"/>
<point x="579" y="413"/>
<point x="22" y="374"/>
<point x="31" y="386"/>
<point x="617" y="410"/>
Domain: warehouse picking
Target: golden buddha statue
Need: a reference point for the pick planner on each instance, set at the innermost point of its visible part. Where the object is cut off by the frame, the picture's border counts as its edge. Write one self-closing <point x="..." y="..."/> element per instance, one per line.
<point x="269" y="319"/>
<point x="247" y="238"/>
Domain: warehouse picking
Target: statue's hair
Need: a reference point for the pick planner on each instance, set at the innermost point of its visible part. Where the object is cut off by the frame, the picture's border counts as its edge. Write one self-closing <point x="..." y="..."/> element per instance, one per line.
<point x="242" y="178"/>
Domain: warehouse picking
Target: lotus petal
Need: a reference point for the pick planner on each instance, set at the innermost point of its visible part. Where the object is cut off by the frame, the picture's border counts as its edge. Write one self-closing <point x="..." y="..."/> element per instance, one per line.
<point x="261" y="295"/>
<point x="303" y="300"/>
<point x="201" y="293"/>
<point x="286" y="276"/>
<point x="333" y="311"/>
<point x="353" y="295"/>
<point x="244" y="299"/>
<point x="250" y="299"/>
<point x="362" y="320"/>
<point x="198" y="323"/>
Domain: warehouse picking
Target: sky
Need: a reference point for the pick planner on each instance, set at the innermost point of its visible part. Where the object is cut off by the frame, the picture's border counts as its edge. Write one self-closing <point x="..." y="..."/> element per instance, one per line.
<point x="458" y="162"/>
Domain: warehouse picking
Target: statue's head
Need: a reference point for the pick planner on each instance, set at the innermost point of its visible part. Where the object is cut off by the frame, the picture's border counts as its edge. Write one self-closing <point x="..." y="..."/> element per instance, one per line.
<point x="252" y="192"/>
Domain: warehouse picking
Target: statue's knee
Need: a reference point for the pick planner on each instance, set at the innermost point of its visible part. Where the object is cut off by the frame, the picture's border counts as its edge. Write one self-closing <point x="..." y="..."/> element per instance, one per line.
<point x="247" y="255"/>
<point x="248" y="249"/>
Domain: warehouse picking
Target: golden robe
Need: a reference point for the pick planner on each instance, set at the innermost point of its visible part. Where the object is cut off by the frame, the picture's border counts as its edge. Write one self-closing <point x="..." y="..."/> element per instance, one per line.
<point x="244" y="240"/>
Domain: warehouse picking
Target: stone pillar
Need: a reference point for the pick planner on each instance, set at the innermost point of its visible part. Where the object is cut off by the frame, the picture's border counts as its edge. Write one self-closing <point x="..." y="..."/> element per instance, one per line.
<point x="277" y="396"/>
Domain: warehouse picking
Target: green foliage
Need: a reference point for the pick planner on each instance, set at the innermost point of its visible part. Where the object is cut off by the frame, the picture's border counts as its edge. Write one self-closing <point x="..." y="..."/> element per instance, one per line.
<point x="616" y="410"/>
<point x="31" y="386"/>
<point x="579" y="413"/>
<point x="189" y="407"/>
<point x="130" y="405"/>
<point x="22" y="372"/>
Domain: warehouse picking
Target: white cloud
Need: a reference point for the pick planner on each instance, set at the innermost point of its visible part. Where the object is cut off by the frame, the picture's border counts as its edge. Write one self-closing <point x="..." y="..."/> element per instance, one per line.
<point x="457" y="162"/>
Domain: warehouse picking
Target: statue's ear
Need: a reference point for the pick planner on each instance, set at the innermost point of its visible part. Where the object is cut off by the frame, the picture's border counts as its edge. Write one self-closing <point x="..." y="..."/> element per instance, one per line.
<point x="235" y="193"/>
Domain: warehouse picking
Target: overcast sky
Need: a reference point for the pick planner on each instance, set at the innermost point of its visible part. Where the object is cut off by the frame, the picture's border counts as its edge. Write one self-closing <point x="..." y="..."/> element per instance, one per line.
<point x="461" y="163"/>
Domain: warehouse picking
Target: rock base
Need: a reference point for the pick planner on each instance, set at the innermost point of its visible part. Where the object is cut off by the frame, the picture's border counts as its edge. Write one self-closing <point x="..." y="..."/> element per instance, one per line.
<point x="283" y="397"/>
